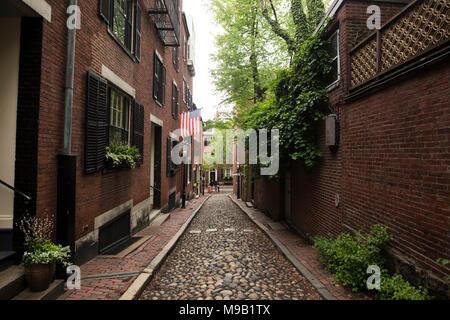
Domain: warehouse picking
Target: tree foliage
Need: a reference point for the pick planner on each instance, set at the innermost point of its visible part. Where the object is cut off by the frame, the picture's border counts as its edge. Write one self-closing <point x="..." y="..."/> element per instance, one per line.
<point x="295" y="103"/>
<point x="272" y="70"/>
<point x="305" y="14"/>
<point x="247" y="53"/>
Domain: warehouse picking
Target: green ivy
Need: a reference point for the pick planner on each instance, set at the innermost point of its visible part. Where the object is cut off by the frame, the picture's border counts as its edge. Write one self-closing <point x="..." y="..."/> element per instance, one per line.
<point x="295" y="103"/>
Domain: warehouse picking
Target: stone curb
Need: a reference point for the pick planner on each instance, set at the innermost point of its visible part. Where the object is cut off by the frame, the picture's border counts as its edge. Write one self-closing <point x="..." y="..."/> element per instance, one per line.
<point x="316" y="283"/>
<point x="135" y="290"/>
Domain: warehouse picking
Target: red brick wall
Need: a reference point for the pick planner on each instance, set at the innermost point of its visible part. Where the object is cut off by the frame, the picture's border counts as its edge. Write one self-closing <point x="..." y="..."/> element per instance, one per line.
<point x="268" y="195"/>
<point x="392" y="165"/>
<point x="99" y="192"/>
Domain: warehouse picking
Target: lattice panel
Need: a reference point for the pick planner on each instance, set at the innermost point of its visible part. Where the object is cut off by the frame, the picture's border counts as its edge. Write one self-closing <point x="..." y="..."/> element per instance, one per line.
<point x="364" y="63"/>
<point x="427" y="24"/>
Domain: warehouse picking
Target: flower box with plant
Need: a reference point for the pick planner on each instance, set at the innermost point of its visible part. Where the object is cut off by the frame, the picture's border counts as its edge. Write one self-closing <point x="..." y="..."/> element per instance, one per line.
<point x="41" y="253"/>
<point x="118" y="156"/>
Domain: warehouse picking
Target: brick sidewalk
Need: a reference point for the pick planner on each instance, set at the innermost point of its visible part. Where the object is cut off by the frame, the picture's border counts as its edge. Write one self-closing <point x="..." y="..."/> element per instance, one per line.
<point x="305" y="253"/>
<point x="115" y="275"/>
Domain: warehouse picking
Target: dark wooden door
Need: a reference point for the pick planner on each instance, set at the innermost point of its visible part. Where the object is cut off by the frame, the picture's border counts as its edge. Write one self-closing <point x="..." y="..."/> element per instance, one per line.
<point x="157" y="168"/>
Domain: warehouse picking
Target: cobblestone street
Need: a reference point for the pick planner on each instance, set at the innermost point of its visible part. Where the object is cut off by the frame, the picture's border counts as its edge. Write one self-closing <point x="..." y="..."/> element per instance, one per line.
<point x="224" y="256"/>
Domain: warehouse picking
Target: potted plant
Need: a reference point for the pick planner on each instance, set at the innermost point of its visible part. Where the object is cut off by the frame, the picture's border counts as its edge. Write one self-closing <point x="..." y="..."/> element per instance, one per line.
<point x="41" y="253"/>
<point x="118" y="156"/>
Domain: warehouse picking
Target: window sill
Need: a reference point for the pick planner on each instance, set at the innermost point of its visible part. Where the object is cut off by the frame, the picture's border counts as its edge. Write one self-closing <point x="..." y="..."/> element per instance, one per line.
<point x="158" y="103"/>
<point x="333" y="85"/>
<point x="132" y="57"/>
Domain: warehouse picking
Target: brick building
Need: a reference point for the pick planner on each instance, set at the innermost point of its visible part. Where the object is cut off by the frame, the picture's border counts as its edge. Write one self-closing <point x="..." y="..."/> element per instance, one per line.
<point x="221" y="173"/>
<point x="387" y="159"/>
<point x="133" y="75"/>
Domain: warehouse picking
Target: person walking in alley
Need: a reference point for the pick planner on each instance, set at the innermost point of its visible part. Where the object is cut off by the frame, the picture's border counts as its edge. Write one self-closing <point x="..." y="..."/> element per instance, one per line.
<point x="218" y="186"/>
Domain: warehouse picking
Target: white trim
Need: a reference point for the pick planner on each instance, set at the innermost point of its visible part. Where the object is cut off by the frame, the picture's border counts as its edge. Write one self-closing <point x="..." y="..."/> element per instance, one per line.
<point x="6" y="222"/>
<point x="41" y="7"/>
<point x="333" y="8"/>
<point x="335" y="83"/>
<point x="159" y="56"/>
<point x="173" y="136"/>
<point x="156" y="120"/>
<point x="175" y="83"/>
<point x="116" y="80"/>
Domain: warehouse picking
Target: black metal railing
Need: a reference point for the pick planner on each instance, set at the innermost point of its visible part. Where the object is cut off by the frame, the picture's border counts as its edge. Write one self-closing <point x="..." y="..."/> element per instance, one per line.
<point x="28" y="198"/>
<point x="165" y="14"/>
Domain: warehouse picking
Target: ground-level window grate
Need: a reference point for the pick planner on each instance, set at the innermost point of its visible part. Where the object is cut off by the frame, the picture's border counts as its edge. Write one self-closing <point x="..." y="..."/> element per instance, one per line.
<point x="115" y="232"/>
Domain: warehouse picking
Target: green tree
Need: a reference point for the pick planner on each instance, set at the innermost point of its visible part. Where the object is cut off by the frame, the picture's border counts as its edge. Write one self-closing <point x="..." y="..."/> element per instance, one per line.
<point x="247" y="53"/>
<point x="304" y="21"/>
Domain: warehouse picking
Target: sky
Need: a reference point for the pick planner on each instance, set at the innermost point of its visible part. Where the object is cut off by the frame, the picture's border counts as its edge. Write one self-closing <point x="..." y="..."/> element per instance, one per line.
<point x="205" y="95"/>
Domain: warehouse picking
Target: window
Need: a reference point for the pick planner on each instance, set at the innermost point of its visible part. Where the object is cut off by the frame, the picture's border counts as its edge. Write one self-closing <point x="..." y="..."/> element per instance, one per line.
<point x="159" y="80"/>
<point x="333" y="51"/>
<point x="188" y="98"/>
<point x="175" y="104"/>
<point x="184" y="48"/>
<point x="108" y="120"/>
<point x="176" y="58"/>
<point x="207" y="142"/>
<point x="226" y="172"/>
<point x="184" y="91"/>
<point x="124" y="21"/>
<point x="119" y="120"/>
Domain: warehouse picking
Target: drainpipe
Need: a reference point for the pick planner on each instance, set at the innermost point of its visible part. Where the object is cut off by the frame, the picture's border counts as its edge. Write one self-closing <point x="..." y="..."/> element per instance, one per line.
<point x="67" y="162"/>
<point x="68" y="102"/>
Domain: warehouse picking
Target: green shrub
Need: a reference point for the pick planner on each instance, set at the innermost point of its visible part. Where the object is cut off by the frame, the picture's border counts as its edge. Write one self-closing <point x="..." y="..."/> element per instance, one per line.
<point x="348" y="257"/>
<point x="397" y="288"/>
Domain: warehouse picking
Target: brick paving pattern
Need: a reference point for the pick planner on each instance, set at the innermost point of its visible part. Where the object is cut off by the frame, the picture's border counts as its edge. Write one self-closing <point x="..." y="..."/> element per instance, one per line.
<point x="114" y="286"/>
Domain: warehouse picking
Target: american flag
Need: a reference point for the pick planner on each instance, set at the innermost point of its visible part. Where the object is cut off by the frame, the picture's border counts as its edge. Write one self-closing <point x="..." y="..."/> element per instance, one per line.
<point x="191" y="123"/>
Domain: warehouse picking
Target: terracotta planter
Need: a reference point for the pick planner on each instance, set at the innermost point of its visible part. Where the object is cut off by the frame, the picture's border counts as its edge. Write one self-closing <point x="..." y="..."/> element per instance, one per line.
<point x="39" y="276"/>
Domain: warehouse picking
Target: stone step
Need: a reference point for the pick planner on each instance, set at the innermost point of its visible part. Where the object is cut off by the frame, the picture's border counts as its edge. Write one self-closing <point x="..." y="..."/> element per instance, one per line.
<point x="153" y="215"/>
<point x="52" y="293"/>
<point x="12" y="282"/>
<point x="6" y="259"/>
<point x="160" y="219"/>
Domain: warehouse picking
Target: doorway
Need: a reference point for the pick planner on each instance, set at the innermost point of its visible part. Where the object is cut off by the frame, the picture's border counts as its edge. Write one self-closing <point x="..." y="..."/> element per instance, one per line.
<point x="20" y="67"/>
<point x="155" y="165"/>
<point x="212" y="176"/>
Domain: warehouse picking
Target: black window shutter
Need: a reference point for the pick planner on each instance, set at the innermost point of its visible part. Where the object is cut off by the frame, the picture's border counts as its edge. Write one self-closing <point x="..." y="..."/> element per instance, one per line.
<point x="174" y="87"/>
<point x="155" y="77"/>
<point x="129" y="25"/>
<point x="96" y="130"/>
<point x="176" y="102"/>
<point x="163" y="79"/>
<point x="138" y="128"/>
<point x="137" y="32"/>
<point x="105" y="10"/>
<point x="169" y="156"/>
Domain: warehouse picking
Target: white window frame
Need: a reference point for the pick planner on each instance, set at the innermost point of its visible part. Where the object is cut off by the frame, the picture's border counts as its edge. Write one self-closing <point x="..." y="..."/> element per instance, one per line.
<point x="335" y="84"/>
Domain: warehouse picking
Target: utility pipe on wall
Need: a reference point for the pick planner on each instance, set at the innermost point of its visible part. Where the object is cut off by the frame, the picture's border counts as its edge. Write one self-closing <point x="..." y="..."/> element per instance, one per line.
<point x="68" y="100"/>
